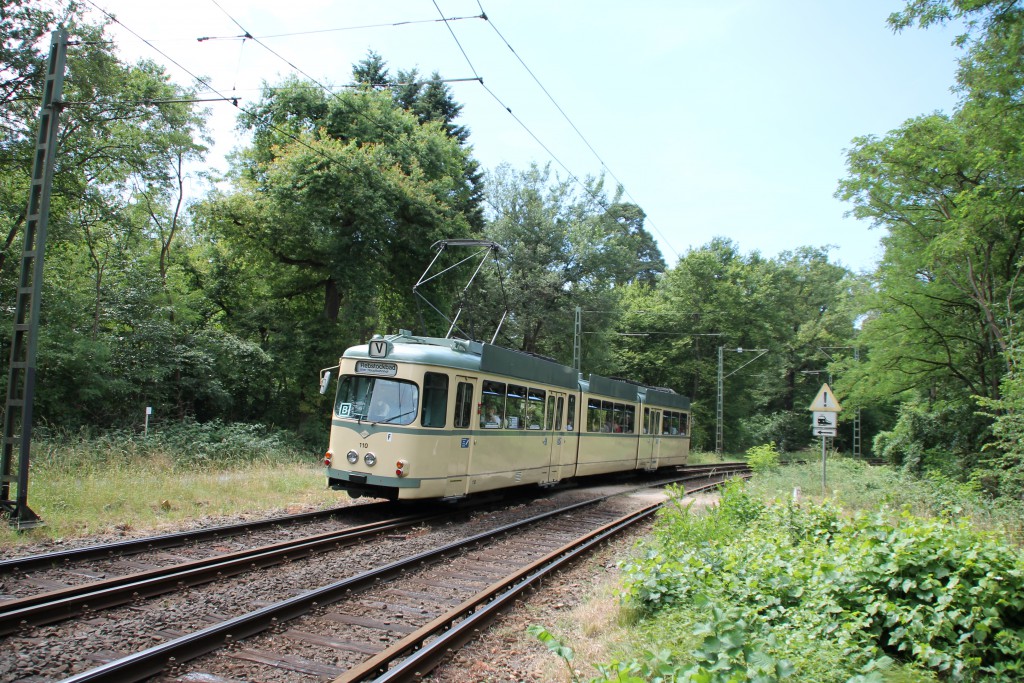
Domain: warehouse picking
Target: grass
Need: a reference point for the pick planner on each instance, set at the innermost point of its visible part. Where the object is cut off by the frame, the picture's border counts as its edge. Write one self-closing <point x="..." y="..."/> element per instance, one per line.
<point x="83" y="484"/>
<point x="856" y="486"/>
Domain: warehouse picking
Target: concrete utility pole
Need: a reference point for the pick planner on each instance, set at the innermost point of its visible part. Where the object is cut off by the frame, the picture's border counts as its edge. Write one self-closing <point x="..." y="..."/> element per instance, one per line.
<point x="21" y="380"/>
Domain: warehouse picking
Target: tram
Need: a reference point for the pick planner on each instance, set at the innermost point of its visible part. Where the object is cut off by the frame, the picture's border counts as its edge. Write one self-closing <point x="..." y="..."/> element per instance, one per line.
<point x="442" y="418"/>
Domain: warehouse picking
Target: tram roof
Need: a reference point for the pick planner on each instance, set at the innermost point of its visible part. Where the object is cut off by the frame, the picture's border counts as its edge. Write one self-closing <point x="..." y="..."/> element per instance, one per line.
<point x="665" y="398"/>
<point x="471" y="356"/>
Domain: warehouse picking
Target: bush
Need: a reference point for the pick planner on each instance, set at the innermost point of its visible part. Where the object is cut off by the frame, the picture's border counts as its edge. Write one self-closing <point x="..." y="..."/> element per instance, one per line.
<point x="186" y="445"/>
<point x="852" y="596"/>
<point x="763" y="458"/>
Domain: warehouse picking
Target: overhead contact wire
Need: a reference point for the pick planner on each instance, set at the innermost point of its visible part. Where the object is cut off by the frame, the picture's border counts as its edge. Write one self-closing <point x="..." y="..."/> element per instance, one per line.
<point x="536" y="80"/>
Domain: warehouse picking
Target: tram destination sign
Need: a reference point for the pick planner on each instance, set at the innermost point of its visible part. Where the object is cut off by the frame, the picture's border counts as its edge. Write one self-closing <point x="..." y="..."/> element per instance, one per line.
<point x="373" y="367"/>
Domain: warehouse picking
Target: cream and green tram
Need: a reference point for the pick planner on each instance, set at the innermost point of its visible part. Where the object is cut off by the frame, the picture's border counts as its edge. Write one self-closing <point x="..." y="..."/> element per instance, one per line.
<point x="419" y="417"/>
<point x="626" y="426"/>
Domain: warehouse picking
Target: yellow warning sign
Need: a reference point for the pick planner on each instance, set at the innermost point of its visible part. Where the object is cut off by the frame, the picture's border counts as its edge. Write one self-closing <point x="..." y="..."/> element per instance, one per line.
<point x="825" y="401"/>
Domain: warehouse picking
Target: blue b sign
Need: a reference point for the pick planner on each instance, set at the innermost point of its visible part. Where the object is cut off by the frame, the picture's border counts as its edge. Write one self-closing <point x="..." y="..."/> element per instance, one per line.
<point x="465" y="443"/>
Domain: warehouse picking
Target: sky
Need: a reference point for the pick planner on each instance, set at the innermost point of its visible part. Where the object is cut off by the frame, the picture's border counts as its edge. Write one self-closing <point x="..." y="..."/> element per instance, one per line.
<point x="720" y="118"/>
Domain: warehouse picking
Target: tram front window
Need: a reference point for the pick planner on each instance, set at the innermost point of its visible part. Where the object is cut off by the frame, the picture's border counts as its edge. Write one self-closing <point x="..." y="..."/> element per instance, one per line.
<point x="377" y="400"/>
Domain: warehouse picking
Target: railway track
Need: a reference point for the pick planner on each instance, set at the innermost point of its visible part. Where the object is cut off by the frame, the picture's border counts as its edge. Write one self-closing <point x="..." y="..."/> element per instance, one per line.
<point x="410" y="611"/>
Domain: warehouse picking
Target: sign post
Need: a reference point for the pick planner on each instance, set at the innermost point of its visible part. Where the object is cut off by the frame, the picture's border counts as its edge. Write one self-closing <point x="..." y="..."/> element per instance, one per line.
<point x="825" y="409"/>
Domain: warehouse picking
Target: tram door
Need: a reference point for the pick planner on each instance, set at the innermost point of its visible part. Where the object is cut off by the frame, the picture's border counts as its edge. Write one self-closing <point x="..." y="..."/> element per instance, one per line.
<point x="461" y="452"/>
<point x="554" y="423"/>
<point x="650" y="440"/>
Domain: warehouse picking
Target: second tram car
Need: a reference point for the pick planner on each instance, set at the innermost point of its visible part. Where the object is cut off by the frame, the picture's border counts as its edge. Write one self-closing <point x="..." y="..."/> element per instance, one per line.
<point x="421" y="417"/>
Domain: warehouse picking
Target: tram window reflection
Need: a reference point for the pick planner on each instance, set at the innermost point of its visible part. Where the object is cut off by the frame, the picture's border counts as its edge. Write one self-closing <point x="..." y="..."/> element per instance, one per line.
<point x="515" y="407"/>
<point x="535" y="408"/>
<point x="435" y="399"/>
<point x="595" y="415"/>
<point x="463" y="405"/>
<point x="493" y="405"/>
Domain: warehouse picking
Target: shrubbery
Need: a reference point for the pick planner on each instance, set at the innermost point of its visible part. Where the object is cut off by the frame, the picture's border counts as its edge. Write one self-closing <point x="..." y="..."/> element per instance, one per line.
<point x="763" y="458"/>
<point x="755" y="592"/>
<point x="184" y="445"/>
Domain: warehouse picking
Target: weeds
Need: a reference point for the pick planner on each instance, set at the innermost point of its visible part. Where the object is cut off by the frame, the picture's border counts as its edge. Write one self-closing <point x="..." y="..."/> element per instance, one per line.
<point x="86" y="483"/>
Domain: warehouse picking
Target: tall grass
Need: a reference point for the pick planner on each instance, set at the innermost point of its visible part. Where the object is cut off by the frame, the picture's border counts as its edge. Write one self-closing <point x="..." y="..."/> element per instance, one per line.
<point x="857" y="486"/>
<point x="84" y="483"/>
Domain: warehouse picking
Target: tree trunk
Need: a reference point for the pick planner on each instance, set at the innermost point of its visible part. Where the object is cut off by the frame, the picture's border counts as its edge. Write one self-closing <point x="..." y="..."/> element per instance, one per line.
<point x="332" y="300"/>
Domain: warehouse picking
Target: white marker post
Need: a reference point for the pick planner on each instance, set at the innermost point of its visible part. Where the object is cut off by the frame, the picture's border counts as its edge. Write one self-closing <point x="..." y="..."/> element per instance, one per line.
<point x="825" y="408"/>
<point x="145" y="426"/>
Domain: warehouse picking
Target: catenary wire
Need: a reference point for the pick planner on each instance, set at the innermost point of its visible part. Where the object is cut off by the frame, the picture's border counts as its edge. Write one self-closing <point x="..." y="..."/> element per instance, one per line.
<point x="247" y="35"/>
<point x="572" y="176"/>
<point x="582" y="137"/>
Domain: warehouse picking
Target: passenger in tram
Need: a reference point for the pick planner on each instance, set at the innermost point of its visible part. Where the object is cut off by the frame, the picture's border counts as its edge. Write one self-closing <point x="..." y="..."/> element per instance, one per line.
<point x="493" y="420"/>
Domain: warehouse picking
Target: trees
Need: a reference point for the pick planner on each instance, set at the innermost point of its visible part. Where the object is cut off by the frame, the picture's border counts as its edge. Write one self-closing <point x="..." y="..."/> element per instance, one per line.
<point x="109" y="339"/>
<point x="329" y="221"/>
<point x="717" y="296"/>
<point x="565" y="248"/>
<point x="947" y="191"/>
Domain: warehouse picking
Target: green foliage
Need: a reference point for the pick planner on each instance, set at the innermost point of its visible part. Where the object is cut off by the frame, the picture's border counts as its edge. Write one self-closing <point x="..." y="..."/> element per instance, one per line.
<point x="726" y="652"/>
<point x="554" y="645"/>
<point x="1005" y="473"/>
<point x="854" y="596"/>
<point x="762" y="458"/>
<point x="184" y="446"/>
<point x="939" y="324"/>
<point x="716" y="296"/>
<point x="926" y="436"/>
<point x="563" y="249"/>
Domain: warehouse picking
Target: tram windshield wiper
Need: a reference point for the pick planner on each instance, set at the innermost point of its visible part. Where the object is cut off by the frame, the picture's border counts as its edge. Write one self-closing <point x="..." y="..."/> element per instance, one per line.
<point x="393" y="417"/>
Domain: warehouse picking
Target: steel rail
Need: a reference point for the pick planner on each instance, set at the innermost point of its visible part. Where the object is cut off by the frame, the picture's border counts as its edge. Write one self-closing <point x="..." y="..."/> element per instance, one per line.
<point x="478" y="610"/>
<point x="65" y="603"/>
<point x="149" y="543"/>
<point x="149" y="662"/>
<point x="138" y="666"/>
<point x="462" y="623"/>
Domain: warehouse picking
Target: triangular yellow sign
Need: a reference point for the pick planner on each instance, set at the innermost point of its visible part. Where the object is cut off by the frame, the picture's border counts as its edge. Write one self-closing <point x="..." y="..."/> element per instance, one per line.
<point x="825" y="401"/>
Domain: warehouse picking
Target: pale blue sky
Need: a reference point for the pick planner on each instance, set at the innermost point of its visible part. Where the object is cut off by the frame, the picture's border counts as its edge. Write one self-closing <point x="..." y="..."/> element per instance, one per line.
<point x="720" y="118"/>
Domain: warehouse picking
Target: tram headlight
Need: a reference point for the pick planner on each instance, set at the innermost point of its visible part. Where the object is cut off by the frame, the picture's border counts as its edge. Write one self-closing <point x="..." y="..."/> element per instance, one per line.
<point x="352" y="457"/>
<point x="328" y="456"/>
<point x="370" y="459"/>
<point x="400" y="467"/>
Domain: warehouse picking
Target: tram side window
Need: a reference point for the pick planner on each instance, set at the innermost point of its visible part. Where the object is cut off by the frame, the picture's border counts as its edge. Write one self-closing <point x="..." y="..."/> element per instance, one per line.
<point x="595" y="415"/>
<point x="435" y="400"/>
<point x="671" y="422"/>
<point x="463" y="405"/>
<point x="515" y="407"/>
<point x="493" y="404"/>
<point x="666" y="423"/>
<point x="684" y="424"/>
<point x="647" y="420"/>
<point x="570" y="415"/>
<point x="558" y="413"/>
<point x="549" y="418"/>
<point x="629" y="419"/>
<point x="609" y="416"/>
<point x="618" y="424"/>
<point x="535" y="409"/>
